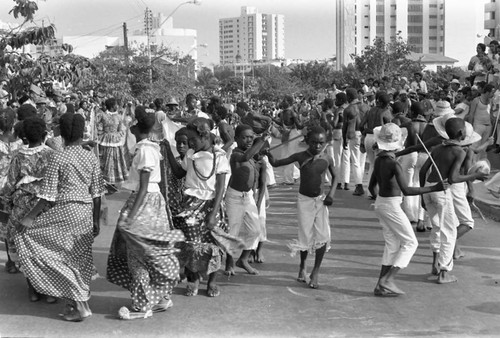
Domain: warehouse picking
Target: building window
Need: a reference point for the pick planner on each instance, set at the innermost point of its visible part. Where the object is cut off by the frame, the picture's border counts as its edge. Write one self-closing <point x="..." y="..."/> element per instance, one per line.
<point x="433" y="6"/>
<point x="433" y="16"/>
<point x="415" y="8"/>
<point x="415" y="29"/>
<point x="380" y="18"/>
<point x="415" y="18"/>
<point x="417" y="40"/>
<point x="433" y="27"/>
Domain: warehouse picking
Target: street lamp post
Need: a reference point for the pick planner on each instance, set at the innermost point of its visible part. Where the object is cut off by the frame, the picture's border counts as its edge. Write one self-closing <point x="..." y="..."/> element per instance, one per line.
<point x="150" y="32"/>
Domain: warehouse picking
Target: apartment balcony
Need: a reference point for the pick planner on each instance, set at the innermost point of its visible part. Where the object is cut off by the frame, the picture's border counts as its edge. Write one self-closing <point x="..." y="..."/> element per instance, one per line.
<point x="490" y="7"/>
<point x="490" y="24"/>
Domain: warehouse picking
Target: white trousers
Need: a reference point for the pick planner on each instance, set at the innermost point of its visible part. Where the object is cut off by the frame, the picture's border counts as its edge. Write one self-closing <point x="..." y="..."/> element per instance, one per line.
<point x="337" y="150"/>
<point x="290" y="171"/>
<point x="444" y="226"/>
<point x="400" y="240"/>
<point x="411" y="204"/>
<point x="314" y="224"/>
<point x="370" y="153"/>
<point x="270" y="179"/>
<point x="351" y="158"/>
<point x="243" y="217"/>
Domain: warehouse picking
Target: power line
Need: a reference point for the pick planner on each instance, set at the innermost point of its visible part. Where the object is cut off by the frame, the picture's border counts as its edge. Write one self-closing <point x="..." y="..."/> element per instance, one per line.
<point x="111" y="26"/>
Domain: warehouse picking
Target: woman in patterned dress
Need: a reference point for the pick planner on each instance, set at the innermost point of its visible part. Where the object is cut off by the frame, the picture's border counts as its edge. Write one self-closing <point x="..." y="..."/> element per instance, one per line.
<point x="9" y="144"/>
<point x="55" y="246"/>
<point x="142" y="255"/>
<point x="171" y="187"/>
<point x="111" y="139"/>
<point x="202" y="220"/>
<point x="24" y="180"/>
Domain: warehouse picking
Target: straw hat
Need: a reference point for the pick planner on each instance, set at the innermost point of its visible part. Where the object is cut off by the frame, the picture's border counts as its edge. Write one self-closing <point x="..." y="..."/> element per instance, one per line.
<point x="390" y="136"/>
<point x="443" y="108"/>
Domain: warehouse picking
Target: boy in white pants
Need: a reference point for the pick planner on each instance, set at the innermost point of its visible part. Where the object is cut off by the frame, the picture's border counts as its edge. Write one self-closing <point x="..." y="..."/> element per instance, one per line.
<point x="400" y="240"/>
<point x="241" y="207"/>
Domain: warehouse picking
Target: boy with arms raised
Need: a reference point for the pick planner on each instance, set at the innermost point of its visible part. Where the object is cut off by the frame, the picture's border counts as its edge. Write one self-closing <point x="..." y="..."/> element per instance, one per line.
<point x="241" y="207"/>
<point x="400" y="240"/>
<point x="314" y="227"/>
<point x="449" y="158"/>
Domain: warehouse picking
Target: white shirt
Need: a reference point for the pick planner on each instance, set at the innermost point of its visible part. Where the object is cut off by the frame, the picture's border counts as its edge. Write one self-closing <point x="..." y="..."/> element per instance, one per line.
<point x="146" y="157"/>
<point x="201" y="163"/>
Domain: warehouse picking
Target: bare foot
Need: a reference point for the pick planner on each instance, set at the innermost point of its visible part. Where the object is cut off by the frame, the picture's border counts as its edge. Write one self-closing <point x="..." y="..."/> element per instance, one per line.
<point x="458" y="253"/>
<point x="446" y="278"/>
<point x="247" y="267"/>
<point x="435" y="270"/>
<point x="390" y="287"/>
<point x="229" y="272"/>
<point x="313" y="283"/>
<point x="258" y="258"/>
<point x="302" y="276"/>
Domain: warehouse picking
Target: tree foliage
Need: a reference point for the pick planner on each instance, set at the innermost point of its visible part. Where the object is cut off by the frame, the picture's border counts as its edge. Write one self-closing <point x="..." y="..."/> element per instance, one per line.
<point x="386" y="59"/>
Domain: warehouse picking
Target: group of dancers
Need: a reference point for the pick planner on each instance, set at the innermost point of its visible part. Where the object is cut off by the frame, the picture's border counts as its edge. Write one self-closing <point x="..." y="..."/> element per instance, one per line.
<point x="198" y="195"/>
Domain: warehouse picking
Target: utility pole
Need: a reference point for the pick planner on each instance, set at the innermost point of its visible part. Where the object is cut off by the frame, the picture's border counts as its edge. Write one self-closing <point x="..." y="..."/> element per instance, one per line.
<point x="148" y="25"/>
<point x="125" y="42"/>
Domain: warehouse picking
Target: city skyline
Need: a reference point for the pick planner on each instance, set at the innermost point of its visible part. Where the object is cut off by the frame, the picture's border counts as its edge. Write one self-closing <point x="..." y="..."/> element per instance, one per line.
<point x="315" y="42"/>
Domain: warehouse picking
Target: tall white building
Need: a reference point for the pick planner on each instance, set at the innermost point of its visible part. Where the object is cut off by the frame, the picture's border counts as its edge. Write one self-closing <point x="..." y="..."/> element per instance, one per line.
<point x="430" y="26"/>
<point x="252" y="36"/>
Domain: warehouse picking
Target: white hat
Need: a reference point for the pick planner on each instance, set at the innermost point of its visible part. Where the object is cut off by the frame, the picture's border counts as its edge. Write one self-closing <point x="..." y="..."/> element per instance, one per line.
<point x="455" y="81"/>
<point x="172" y="102"/>
<point x="390" y="136"/>
<point x="470" y="135"/>
<point x="443" y="108"/>
<point x="482" y="166"/>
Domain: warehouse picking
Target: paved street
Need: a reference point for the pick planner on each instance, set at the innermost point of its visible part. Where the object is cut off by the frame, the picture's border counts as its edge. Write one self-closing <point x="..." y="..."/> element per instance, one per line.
<point x="274" y="304"/>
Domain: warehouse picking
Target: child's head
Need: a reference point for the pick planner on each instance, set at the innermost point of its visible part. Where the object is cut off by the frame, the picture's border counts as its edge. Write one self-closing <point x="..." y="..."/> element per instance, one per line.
<point x="34" y="130"/>
<point x="181" y="141"/>
<point x="244" y="136"/>
<point x="7" y="118"/>
<point x="25" y="111"/>
<point x="110" y="104"/>
<point x="139" y="111"/>
<point x="72" y="127"/>
<point x="455" y="128"/>
<point x="199" y="134"/>
<point x="145" y="123"/>
<point x="315" y="139"/>
<point x="397" y="107"/>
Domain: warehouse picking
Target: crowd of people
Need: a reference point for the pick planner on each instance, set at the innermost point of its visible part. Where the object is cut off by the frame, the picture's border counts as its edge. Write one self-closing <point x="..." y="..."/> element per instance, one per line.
<point x="198" y="174"/>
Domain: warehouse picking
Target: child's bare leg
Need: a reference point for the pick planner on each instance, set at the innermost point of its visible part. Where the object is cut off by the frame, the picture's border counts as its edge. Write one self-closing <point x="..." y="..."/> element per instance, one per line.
<point x="229" y="265"/>
<point x="302" y="268"/>
<point x="435" y="265"/>
<point x="461" y="230"/>
<point x="317" y="264"/>
<point x="212" y="288"/>
<point x="259" y="258"/>
<point x="242" y="262"/>
<point x="387" y="284"/>
<point x="193" y="283"/>
<point x="10" y="266"/>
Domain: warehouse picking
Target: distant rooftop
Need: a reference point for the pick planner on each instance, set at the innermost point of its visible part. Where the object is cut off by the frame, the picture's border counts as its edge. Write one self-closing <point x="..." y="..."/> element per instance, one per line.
<point x="431" y="58"/>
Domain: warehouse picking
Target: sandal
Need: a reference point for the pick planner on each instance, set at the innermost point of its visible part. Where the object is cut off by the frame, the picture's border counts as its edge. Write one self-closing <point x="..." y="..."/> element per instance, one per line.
<point x="73" y="315"/>
<point x="213" y="291"/>
<point x="163" y="305"/>
<point x="191" y="289"/>
<point x="125" y="314"/>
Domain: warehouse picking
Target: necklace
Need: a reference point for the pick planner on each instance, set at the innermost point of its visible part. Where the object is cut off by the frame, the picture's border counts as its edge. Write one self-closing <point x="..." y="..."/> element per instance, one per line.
<point x="200" y="175"/>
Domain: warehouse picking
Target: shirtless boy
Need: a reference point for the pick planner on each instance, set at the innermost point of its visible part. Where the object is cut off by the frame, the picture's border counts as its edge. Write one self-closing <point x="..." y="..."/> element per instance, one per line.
<point x="241" y="208"/>
<point x="449" y="158"/>
<point x="314" y="227"/>
<point x="400" y="240"/>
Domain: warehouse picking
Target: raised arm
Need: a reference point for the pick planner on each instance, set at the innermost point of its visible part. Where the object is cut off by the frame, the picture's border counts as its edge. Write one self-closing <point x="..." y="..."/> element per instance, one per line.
<point x="278" y="163"/>
<point x="177" y="169"/>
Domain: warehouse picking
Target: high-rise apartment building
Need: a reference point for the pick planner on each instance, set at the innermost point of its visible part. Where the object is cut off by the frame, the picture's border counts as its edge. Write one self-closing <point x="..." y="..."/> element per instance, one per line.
<point x="252" y="36"/>
<point x="430" y="26"/>
<point x="492" y="18"/>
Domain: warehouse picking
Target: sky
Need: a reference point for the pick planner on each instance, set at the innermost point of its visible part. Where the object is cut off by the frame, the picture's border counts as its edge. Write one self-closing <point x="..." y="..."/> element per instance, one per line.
<point x="309" y="24"/>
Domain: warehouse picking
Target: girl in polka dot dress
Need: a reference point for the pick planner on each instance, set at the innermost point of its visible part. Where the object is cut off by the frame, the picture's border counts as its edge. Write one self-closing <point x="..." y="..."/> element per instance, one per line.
<point x="142" y="255"/>
<point x="55" y="246"/>
<point x="24" y="180"/>
<point x="202" y="220"/>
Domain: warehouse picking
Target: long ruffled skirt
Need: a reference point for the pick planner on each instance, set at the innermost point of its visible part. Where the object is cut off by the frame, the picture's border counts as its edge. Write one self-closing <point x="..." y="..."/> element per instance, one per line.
<point x="142" y="255"/>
